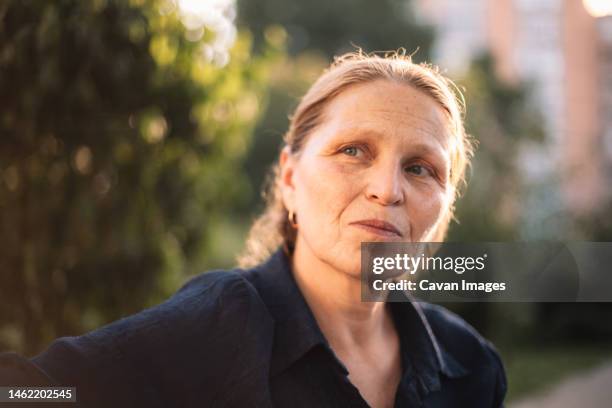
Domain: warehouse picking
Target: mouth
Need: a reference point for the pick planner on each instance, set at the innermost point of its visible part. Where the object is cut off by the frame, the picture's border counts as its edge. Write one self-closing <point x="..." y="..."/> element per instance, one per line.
<point x="378" y="227"/>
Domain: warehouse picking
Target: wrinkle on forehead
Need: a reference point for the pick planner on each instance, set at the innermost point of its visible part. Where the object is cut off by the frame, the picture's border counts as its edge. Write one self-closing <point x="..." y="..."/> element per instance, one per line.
<point x="368" y="106"/>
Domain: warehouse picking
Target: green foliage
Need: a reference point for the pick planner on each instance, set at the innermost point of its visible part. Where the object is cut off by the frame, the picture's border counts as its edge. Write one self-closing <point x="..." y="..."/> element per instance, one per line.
<point x="120" y="147"/>
<point x="333" y="26"/>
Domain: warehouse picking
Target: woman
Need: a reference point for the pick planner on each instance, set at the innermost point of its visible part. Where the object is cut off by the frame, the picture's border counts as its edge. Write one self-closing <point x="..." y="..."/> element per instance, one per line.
<point x="376" y="151"/>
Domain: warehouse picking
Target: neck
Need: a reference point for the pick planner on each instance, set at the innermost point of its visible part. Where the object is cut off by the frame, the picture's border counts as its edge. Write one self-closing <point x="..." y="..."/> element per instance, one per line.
<point x="334" y="297"/>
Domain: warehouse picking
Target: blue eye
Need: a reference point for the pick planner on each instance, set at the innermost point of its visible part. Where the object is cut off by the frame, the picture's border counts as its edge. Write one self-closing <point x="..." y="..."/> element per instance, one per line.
<point x="417" y="169"/>
<point x="351" y="150"/>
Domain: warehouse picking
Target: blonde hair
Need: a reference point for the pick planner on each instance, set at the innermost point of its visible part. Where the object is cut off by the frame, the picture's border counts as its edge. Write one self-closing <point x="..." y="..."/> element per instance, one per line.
<point x="273" y="228"/>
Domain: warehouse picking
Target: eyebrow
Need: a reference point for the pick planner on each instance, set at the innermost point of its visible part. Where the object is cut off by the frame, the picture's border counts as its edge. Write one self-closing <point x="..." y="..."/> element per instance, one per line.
<point x="419" y="147"/>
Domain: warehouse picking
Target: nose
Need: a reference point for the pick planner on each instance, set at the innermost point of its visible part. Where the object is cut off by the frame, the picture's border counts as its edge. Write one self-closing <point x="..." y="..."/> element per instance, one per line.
<point x="385" y="184"/>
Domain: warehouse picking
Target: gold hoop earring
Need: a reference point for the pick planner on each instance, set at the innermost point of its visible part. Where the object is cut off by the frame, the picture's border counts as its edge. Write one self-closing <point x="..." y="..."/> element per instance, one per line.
<point x="292" y="219"/>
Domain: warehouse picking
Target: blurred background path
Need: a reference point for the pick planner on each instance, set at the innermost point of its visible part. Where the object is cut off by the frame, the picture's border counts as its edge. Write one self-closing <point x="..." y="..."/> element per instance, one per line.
<point x="592" y="389"/>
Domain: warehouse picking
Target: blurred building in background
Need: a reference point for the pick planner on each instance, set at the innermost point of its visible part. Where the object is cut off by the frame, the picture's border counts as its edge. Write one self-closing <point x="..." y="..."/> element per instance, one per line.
<point x="563" y="50"/>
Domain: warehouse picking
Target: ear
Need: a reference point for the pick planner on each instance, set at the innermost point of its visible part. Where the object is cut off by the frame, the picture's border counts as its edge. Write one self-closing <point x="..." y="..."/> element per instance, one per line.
<point x="287" y="164"/>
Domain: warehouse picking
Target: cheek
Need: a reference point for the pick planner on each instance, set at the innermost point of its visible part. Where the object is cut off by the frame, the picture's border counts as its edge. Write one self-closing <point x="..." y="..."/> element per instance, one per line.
<point x="429" y="208"/>
<point x="323" y="192"/>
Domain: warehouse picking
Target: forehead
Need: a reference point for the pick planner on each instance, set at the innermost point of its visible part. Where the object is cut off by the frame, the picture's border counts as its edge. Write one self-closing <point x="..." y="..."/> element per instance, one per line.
<point x="389" y="109"/>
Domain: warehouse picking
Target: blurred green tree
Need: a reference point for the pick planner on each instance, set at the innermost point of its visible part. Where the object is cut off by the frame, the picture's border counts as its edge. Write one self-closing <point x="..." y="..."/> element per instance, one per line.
<point x="119" y="153"/>
<point x="332" y="27"/>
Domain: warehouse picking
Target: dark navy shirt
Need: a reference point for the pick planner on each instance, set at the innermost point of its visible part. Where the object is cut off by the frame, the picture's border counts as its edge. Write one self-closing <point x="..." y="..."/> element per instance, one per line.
<point x="247" y="338"/>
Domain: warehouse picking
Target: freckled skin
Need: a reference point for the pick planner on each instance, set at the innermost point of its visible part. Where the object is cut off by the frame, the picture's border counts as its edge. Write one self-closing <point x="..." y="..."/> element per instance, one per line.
<point x="382" y="151"/>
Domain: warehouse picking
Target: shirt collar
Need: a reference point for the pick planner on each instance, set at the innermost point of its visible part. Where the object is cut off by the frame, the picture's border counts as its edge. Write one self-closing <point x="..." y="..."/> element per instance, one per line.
<point x="423" y="350"/>
<point x="296" y="329"/>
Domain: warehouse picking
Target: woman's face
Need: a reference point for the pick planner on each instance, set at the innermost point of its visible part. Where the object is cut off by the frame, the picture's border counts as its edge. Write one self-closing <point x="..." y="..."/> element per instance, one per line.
<point x="376" y="169"/>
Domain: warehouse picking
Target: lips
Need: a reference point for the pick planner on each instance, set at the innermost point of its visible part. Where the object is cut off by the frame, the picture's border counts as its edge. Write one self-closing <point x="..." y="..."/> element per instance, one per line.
<point x="379" y="227"/>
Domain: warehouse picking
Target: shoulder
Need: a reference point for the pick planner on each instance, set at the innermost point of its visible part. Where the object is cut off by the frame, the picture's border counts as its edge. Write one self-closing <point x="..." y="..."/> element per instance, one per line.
<point x="212" y="303"/>
<point x="459" y="341"/>
<point x="196" y="339"/>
